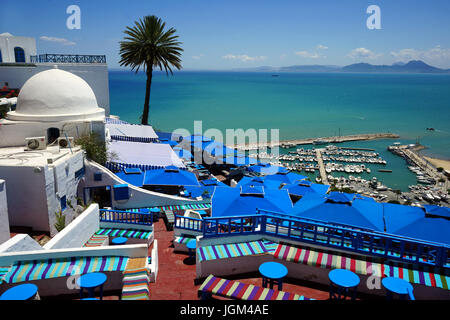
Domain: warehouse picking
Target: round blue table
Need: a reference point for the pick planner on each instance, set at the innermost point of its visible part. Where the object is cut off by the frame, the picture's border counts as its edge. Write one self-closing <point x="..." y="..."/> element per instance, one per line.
<point x="394" y="285"/>
<point x="343" y="284"/>
<point x="90" y="281"/>
<point x="119" y="241"/>
<point x="272" y="273"/>
<point x="192" y="246"/>
<point x="26" y="291"/>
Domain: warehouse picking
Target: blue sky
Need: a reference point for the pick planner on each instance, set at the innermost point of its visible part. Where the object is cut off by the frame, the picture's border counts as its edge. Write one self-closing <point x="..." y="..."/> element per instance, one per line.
<point x="246" y="33"/>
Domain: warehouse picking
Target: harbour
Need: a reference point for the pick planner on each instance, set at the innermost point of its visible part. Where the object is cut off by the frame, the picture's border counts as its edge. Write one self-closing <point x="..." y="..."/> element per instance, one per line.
<point x="316" y="141"/>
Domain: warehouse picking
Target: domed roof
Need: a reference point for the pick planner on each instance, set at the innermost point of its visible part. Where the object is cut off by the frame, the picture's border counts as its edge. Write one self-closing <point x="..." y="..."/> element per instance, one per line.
<point x="56" y="95"/>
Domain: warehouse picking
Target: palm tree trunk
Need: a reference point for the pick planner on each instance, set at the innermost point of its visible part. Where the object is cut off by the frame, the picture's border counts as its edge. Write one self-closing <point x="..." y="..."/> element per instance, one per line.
<point x="147" y="96"/>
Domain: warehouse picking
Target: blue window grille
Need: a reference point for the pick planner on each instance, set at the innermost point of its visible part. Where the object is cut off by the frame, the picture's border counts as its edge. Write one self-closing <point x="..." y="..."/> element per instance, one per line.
<point x="121" y="192"/>
<point x="19" y="54"/>
<point x="1" y="60"/>
<point x="63" y="201"/>
<point x="79" y="173"/>
<point x="97" y="176"/>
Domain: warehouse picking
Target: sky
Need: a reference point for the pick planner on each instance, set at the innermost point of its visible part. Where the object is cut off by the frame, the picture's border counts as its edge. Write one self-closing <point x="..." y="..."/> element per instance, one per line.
<point x="222" y="35"/>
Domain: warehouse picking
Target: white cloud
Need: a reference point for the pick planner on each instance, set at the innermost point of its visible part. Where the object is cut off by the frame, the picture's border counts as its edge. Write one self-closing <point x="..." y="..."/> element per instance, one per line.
<point x="321" y="47"/>
<point x="363" y="53"/>
<point x="243" y="57"/>
<point x="433" y="55"/>
<point x="62" y="41"/>
<point x="198" y="57"/>
<point x="306" y="54"/>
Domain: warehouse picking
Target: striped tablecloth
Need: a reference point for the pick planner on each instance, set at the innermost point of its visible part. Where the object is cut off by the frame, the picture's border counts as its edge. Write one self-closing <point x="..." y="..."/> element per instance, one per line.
<point x="364" y="265"/>
<point x="127" y="233"/>
<point x="224" y="251"/>
<point x="54" y="268"/>
<point x="239" y="290"/>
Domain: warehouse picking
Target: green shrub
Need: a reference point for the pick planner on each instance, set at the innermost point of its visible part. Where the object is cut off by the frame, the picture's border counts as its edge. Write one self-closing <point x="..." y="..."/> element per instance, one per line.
<point x="60" y="221"/>
<point x="94" y="146"/>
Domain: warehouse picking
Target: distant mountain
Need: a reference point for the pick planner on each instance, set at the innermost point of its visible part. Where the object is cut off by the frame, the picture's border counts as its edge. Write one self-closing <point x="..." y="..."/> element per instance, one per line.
<point x="413" y="66"/>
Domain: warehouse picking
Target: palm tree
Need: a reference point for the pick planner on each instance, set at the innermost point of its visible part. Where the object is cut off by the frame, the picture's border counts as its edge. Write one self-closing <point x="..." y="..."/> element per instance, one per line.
<point x="147" y="45"/>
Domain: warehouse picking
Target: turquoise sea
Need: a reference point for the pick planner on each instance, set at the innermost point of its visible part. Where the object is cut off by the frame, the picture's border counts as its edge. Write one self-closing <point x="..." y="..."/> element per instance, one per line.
<point x="300" y="105"/>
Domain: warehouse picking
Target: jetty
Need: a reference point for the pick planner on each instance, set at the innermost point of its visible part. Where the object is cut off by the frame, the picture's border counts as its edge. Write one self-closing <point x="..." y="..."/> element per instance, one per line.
<point x="324" y="140"/>
<point x="322" y="171"/>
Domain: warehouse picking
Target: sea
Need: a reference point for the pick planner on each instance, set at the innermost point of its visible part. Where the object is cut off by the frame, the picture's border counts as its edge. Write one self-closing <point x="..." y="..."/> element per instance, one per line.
<point x="299" y="105"/>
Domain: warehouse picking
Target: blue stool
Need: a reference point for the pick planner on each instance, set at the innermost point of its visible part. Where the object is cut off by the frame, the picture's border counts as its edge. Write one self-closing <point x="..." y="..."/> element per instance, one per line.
<point x="400" y="287"/>
<point x="26" y="291"/>
<point x="90" y="281"/>
<point x="119" y="241"/>
<point x="191" y="245"/>
<point x="272" y="273"/>
<point x="343" y="284"/>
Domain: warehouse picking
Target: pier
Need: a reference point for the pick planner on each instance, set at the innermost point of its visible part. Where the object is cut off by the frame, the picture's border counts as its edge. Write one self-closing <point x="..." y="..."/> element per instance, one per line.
<point x="325" y="140"/>
<point x="322" y="171"/>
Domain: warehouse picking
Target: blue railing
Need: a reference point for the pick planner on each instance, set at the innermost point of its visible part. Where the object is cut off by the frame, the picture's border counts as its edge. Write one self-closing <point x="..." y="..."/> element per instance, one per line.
<point x="324" y="234"/>
<point x="107" y="215"/>
<point x="188" y="223"/>
<point x="68" y="58"/>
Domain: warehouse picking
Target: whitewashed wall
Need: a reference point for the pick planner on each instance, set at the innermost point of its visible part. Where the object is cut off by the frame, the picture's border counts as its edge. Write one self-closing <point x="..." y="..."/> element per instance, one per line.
<point x="78" y="232"/>
<point x="7" y="45"/>
<point x="34" y="193"/>
<point x="14" y="134"/>
<point x="4" y="220"/>
<point x="20" y="243"/>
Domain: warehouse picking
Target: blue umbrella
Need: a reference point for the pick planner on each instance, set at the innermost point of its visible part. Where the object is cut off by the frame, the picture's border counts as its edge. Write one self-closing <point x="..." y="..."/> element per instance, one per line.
<point x="228" y="202"/>
<point x="341" y="208"/>
<point x="286" y="177"/>
<point x="304" y="187"/>
<point x="170" y="176"/>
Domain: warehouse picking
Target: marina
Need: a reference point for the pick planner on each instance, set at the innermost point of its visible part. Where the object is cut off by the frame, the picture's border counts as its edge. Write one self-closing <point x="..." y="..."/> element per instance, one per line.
<point x="316" y="141"/>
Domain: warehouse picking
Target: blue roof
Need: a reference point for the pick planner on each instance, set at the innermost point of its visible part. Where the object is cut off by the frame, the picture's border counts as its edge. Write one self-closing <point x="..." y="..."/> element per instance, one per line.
<point x="438" y="211"/>
<point x="170" y="176"/>
<point x="258" y="181"/>
<point x="412" y="222"/>
<point x="342" y="209"/>
<point x="265" y="168"/>
<point x="132" y="176"/>
<point x="286" y="177"/>
<point x="304" y="187"/>
<point x="212" y="182"/>
<point x="231" y="202"/>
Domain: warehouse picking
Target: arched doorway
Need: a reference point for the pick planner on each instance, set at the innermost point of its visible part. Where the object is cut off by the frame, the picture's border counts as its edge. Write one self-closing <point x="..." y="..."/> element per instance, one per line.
<point x="19" y="54"/>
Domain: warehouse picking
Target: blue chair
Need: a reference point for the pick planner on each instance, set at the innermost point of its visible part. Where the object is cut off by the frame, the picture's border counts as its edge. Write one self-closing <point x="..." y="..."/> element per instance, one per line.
<point x="396" y="286"/>
<point x="343" y="284"/>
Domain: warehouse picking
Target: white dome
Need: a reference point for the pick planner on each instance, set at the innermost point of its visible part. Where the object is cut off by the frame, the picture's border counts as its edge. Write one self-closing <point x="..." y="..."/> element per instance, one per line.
<point x="56" y="95"/>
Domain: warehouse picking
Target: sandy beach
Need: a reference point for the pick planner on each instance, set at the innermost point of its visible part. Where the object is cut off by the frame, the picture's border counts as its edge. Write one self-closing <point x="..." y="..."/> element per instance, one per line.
<point x="439" y="163"/>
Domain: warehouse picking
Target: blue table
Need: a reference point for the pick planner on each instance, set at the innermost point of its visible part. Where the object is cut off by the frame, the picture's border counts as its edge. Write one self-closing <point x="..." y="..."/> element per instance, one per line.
<point x="394" y="285"/>
<point x="343" y="284"/>
<point x="26" y="291"/>
<point x="192" y="246"/>
<point x="272" y="273"/>
<point x="155" y="212"/>
<point x="119" y="241"/>
<point x="90" y="281"/>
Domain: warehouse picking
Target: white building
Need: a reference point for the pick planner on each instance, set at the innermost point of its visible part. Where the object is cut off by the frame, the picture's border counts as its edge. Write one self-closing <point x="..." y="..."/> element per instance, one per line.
<point x="38" y="160"/>
<point x="4" y="221"/>
<point x="52" y="104"/>
<point x="40" y="183"/>
<point x="19" y="61"/>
